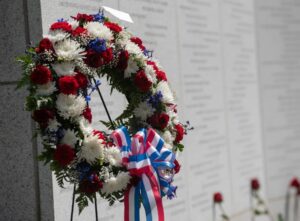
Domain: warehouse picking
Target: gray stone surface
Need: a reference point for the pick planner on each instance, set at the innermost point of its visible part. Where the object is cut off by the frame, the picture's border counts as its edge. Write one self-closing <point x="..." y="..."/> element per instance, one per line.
<point x="17" y="189"/>
<point x="12" y="37"/>
<point x="26" y="185"/>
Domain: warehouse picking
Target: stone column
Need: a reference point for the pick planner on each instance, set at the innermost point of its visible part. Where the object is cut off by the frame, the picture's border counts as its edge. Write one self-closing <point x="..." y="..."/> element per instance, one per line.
<point x="25" y="185"/>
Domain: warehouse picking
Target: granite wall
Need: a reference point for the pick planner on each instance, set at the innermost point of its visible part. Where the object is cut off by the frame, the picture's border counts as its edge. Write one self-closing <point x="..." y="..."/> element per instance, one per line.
<point x="25" y="186"/>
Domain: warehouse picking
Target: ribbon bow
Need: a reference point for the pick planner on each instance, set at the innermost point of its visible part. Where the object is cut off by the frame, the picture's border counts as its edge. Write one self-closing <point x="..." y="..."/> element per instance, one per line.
<point x="145" y="157"/>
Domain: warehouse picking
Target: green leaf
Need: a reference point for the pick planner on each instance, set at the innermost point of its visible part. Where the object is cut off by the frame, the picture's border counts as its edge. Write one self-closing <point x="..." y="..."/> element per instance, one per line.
<point x="179" y="147"/>
<point x="82" y="202"/>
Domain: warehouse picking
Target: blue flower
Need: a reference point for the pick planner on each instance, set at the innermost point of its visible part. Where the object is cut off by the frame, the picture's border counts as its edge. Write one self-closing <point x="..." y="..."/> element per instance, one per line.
<point x="99" y="17"/>
<point x="61" y="20"/>
<point x="98" y="45"/>
<point x="155" y="99"/>
<point x="83" y="169"/>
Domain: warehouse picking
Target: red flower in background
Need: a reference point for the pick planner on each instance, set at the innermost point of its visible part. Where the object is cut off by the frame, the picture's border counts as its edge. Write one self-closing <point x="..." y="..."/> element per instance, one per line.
<point x="159" y="121"/>
<point x="63" y="25"/>
<point x="255" y="185"/>
<point x="64" y="154"/>
<point x="68" y="85"/>
<point x="295" y="183"/>
<point x="123" y="60"/>
<point x="113" y="26"/>
<point x="179" y="132"/>
<point x="81" y="80"/>
<point x="218" y="197"/>
<point x="95" y="59"/>
<point x="40" y="75"/>
<point x="177" y="166"/>
<point x="43" y="116"/>
<point x="90" y="185"/>
<point x="142" y="82"/>
<point x="79" y="31"/>
<point x="45" y="44"/>
<point x="83" y="17"/>
<point x="139" y="42"/>
<point x="87" y="114"/>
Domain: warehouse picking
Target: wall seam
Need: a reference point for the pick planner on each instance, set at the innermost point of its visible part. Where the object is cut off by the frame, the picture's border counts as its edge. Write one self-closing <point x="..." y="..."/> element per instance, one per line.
<point x="34" y="140"/>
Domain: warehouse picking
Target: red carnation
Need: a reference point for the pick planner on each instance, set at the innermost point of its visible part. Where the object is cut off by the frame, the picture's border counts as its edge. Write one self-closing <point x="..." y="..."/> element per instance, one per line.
<point x="159" y="121"/>
<point x="79" y="31"/>
<point x="83" y="17"/>
<point x="179" y="132"/>
<point x="218" y="198"/>
<point x="295" y="183"/>
<point x="64" y="154"/>
<point x="45" y="44"/>
<point x="61" y="25"/>
<point x="81" y="80"/>
<point x="91" y="185"/>
<point x="142" y="82"/>
<point x="95" y="60"/>
<point x="41" y="75"/>
<point x="113" y="26"/>
<point x="153" y="64"/>
<point x="161" y="75"/>
<point x="255" y="185"/>
<point x="107" y="55"/>
<point x="68" y="85"/>
<point x="87" y="114"/>
<point x="138" y="41"/>
<point x="43" y="116"/>
<point x="177" y="166"/>
<point x="123" y="60"/>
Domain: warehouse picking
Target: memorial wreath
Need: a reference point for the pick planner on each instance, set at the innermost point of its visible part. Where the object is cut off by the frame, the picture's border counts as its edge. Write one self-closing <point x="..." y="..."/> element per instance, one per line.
<point x="134" y="160"/>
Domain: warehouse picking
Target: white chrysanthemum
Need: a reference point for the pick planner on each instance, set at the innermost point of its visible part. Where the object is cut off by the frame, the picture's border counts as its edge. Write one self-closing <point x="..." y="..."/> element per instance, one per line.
<point x="68" y="50"/>
<point x="69" y="138"/>
<point x="64" y="68"/>
<point x="132" y="48"/>
<point x="70" y="106"/>
<point x="53" y="125"/>
<point x="168" y="137"/>
<point x="150" y="73"/>
<point x="112" y="155"/>
<point x="123" y="37"/>
<point x="114" y="184"/>
<point x="45" y="89"/>
<point x="74" y="24"/>
<point x="143" y="111"/>
<point x="132" y="67"/>
<point x="98" y="30"/>
<point x="92" y="149"/>
<point x="166" y="92"/>
<point x="85" y="126"/>
<point x="173" y="116"/>
<point x="56" y="35"/>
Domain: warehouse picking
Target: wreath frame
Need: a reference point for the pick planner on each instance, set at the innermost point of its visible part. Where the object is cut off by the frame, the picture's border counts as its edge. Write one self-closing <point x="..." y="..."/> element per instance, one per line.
<point x="63" y="67"/>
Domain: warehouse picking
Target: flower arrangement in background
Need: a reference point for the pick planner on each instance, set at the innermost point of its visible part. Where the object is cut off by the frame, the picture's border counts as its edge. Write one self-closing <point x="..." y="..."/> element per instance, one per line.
<point x="218" y="202"/>
<point x="292" y="195"/>
<point x="60" y="74"/>
<point x="258" y="204"/>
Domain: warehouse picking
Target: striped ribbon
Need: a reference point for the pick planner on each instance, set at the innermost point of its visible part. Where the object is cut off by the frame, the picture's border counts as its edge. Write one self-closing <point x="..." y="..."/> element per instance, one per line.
<point x="145" y="156"/>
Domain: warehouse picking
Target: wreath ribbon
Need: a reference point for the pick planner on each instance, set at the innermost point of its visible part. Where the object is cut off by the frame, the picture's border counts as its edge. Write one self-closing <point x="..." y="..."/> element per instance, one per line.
<point x="144" y="156"/>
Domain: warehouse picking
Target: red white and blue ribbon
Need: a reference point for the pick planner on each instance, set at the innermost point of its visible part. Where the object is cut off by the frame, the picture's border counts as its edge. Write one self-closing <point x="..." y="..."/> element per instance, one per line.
<point x="145" y="156"/>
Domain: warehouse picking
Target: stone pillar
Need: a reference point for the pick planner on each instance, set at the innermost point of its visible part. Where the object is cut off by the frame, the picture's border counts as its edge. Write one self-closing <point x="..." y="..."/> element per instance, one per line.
<point x="25" y="185"/>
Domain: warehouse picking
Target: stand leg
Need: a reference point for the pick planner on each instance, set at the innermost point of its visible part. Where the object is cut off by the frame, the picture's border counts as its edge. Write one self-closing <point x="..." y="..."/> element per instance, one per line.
<point x="96" y="208"/>
<point x="73" y="200"/>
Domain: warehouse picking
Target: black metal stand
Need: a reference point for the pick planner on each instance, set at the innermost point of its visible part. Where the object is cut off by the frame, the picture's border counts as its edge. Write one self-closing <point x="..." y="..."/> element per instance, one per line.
<point x="113" y="126"/>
